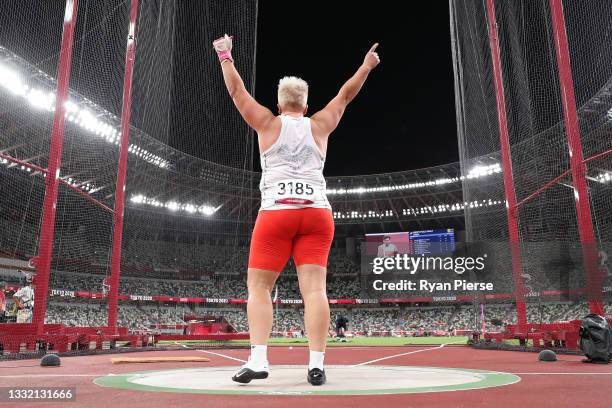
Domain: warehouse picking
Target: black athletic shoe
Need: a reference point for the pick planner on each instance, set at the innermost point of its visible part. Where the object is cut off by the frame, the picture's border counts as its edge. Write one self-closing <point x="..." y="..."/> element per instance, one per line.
<point x="316" y="376"/>
<point x="245" y="375"/>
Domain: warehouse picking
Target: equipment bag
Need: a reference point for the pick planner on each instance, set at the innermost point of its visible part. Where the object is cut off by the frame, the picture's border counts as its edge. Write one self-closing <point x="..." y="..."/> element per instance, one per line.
<point x="596" y="339"/>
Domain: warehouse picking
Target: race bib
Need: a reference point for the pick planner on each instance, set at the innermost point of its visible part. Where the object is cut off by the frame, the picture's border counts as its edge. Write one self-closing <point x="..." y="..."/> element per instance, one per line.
<point x="294" y="191"/>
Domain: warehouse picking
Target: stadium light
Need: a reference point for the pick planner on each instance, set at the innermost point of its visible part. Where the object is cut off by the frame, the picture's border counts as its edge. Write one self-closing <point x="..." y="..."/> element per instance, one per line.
<point x="363" y="215"/>
<point x="38" y="99"/>
<point x="175" y="206"/>
<point x="172" y="206"/>
<point x="482" y="171"/>
<point x="138" y="199"/>
<point x="605" y="177"/>
<point x="415" y="212"/>
<point x="82" y="117"/>
<point x="476" y="172"/>
<point x="11" y="81"/>
<point x="207" y="210"/>
<point x="89" y="187"/>
<point x="70" y="107"/>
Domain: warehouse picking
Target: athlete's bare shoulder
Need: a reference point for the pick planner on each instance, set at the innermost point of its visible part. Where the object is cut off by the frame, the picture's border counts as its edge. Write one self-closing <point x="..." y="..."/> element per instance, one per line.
<point x="320" y="137"/>
<point x="318" y="131"/>
<point x="269" y="135"/>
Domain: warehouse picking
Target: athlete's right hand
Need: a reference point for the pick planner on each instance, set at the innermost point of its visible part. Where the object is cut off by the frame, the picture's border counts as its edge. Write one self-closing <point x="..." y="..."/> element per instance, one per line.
<point x="223" y="47"/>
<point x="371" y="59"/>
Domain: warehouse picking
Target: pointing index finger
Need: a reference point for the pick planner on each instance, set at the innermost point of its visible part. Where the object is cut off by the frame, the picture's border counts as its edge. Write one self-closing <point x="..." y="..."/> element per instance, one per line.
<point x="373" y="47"/>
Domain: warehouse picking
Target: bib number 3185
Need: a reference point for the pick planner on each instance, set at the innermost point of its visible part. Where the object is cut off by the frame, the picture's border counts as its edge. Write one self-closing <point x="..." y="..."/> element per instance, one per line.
<point x="291" y="188"/>
<point x="294" y="192"/>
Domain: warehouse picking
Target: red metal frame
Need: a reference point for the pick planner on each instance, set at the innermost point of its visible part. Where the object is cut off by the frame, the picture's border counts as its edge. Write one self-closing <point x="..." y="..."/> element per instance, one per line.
<point x="62" y="181"/>
<point x="578" y="168"/>
<point x="126" y="112"/>
<point x="45" y="249"/>
<point x="512" y="214"/>
<point x="560" y="177"/>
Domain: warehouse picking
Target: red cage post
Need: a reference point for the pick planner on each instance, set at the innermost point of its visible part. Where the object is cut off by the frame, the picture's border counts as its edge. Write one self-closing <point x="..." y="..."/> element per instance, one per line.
<point x="511" y="210"/>
<point x="577" y="164"/>
<point x="47" y="230"/>
<point x="126" y="111"/>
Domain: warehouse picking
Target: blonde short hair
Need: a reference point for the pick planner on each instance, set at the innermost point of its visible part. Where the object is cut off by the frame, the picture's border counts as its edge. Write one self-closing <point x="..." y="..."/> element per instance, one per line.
<point x="292" y="92"/>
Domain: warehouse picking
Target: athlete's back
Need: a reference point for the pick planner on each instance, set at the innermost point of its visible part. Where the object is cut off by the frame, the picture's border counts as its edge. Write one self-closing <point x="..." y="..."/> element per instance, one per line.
<point x="292" y="168"/>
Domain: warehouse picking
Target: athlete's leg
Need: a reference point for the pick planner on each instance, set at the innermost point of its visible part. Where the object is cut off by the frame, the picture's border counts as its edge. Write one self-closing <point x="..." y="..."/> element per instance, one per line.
<point x="316" y="318"/>
<point x="260" y="283"/>
<point x="310" y="251"/>
<point x="316" y="306"/>
<point x="259" y="312"/>
<point x="271" y="245"/>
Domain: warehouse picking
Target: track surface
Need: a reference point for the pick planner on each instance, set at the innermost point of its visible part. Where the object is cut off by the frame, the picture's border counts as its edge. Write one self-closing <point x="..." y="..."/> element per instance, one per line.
<point x="565" y="383"/>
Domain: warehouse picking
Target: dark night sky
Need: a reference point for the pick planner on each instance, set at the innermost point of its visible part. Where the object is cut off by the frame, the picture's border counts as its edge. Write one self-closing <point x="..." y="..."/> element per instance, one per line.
<point x="404" y="117"/>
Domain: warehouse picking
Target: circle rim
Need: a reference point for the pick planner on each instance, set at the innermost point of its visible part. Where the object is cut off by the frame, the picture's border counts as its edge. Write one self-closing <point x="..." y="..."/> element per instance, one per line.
<point x="491" y="379"/>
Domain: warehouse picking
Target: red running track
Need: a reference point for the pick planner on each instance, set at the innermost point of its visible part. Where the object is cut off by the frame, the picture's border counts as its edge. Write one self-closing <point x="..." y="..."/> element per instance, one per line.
<point x="565" y="383"/>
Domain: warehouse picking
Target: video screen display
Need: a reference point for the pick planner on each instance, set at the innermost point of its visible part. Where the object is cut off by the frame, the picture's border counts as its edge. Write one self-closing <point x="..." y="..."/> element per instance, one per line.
<point x="439" y="241"/>
<point x="427" y="242"/>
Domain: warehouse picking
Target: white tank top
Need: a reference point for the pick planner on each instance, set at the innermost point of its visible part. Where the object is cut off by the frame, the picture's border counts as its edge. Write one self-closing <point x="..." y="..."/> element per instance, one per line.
<point x="292" y="169"/>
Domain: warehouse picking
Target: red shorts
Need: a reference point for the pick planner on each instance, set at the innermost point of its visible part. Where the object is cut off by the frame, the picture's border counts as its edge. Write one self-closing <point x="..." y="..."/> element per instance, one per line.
<point x="305" y="233"/>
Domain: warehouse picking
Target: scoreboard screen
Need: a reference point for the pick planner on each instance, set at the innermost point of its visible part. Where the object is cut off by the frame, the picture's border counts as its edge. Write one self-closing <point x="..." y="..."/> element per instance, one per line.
<point x="438" y="241"/>
<point x="428" y="242"/>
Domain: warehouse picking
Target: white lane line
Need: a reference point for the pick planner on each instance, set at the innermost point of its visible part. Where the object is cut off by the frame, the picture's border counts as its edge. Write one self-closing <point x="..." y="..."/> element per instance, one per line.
<point x="50" y="375"/>
<point x="562" y="373"/>
<point x="395" y="355"/>
<point x="210" y="352"/>
<point x="403" y="354"/>
<point x="398" y="355"/>
<point x="222" y="355"/>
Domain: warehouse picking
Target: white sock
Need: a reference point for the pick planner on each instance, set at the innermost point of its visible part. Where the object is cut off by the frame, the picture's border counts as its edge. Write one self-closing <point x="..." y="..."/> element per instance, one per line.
<point x="316" y="360"/>
<point x="259" y="355"/>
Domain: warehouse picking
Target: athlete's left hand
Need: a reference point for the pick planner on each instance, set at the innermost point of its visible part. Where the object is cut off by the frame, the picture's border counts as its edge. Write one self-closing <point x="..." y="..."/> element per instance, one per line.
<point x="223" y="47"/>
<point x="371" y="59"/>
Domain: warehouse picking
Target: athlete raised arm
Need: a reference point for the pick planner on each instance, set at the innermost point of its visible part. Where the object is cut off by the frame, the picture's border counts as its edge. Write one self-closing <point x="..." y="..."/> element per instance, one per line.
<point x="262" y="120"/>
<point x="326" y="120"/>
<point x="295" y="218"/>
